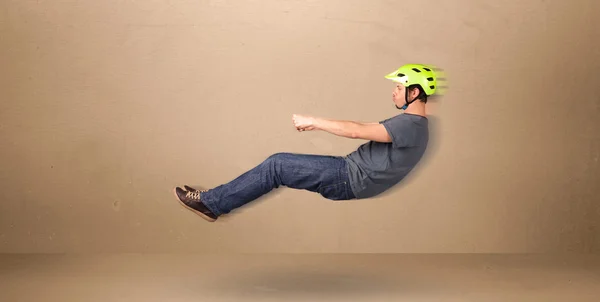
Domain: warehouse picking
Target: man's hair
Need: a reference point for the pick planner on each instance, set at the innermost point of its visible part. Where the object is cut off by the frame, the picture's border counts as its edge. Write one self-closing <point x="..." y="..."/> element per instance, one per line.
<point x="422" y="95"/>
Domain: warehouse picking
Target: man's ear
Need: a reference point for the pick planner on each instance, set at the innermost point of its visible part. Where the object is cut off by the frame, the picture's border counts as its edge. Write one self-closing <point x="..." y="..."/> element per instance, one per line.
<point x="414" y="92"/>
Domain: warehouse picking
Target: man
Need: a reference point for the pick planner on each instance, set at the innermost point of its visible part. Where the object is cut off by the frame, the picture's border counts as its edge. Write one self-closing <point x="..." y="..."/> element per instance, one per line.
<point x="395" y="146"/>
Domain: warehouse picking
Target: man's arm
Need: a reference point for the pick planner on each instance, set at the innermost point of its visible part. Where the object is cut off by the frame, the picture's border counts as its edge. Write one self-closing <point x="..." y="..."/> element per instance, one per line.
<point x="355" y="130"/>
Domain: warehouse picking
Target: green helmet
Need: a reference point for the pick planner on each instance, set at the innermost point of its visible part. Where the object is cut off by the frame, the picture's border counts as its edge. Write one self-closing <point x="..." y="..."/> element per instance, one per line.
<point x="411" y="74"/>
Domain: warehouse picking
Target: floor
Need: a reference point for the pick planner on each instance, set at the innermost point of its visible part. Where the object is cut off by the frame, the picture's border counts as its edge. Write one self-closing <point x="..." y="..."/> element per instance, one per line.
<point x="299" y="277"/>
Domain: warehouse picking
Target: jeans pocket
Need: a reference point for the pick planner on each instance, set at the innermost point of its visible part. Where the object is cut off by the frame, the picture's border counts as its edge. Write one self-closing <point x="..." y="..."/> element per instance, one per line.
<point x="337" y="191"/>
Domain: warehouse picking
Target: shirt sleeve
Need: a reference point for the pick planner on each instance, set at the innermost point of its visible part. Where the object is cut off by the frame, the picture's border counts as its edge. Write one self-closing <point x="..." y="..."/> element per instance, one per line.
<point x="400" y="131"/>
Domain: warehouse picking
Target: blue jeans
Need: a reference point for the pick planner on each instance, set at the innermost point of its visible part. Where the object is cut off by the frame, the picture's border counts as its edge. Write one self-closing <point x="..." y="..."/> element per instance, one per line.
<point x="323" y="174"/>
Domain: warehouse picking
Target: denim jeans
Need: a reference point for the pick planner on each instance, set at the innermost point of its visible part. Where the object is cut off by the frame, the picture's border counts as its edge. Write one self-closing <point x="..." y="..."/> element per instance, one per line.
<point x="323" y="174"/>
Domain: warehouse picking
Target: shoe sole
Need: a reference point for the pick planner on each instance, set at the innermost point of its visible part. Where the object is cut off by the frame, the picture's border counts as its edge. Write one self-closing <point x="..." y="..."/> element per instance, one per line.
<point x="207" y="218"/>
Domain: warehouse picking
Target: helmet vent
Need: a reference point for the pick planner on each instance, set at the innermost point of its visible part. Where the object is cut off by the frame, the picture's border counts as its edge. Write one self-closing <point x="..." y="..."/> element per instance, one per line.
<point x="432" y="86"/>
<point x="430" y="79"/>
<point x="427" y="69"/>
<point x="416" y="69"/>
<point x="401" y="75"/>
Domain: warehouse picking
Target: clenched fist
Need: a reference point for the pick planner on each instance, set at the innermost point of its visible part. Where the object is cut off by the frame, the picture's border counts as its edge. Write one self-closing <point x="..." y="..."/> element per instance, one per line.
<point x="303" y="123"/>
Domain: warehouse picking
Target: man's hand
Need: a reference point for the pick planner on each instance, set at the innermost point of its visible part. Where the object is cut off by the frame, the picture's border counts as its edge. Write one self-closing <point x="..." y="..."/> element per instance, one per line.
<point x="303" y="123"/>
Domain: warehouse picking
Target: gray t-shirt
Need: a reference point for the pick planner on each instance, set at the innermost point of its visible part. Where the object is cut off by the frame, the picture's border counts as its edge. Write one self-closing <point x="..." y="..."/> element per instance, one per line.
<point x="375" y="167"/>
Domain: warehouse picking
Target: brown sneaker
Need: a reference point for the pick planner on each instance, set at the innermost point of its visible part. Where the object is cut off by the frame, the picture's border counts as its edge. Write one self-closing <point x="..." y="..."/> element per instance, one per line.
<point x="191" y="201"/>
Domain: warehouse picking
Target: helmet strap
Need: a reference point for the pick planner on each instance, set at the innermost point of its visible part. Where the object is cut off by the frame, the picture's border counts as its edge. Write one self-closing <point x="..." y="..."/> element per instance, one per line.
<point x="406" y="99"/>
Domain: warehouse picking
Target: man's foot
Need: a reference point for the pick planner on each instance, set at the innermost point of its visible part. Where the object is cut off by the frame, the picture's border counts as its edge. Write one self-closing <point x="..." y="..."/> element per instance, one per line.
<point x="191" y="201"/>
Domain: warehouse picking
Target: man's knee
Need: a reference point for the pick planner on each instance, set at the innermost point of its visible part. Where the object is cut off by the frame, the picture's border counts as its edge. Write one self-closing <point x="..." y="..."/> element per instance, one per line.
<point x="278" y="157"/>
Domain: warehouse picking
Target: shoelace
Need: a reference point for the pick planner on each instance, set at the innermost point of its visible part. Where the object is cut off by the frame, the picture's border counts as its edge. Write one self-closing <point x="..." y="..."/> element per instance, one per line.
<point x="194" y="195"/>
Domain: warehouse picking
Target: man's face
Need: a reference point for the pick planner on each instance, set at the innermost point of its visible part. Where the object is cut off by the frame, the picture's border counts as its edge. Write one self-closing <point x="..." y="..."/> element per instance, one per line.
<point x="398" y="95"/>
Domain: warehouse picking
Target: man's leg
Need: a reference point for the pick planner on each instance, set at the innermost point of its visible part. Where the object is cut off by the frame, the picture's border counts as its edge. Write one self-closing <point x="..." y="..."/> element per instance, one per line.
<point x="325" y="175"/>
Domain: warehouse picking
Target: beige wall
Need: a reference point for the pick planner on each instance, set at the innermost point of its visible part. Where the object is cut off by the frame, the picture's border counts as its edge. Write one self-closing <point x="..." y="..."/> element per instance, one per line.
<point x="106" y="105"/>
